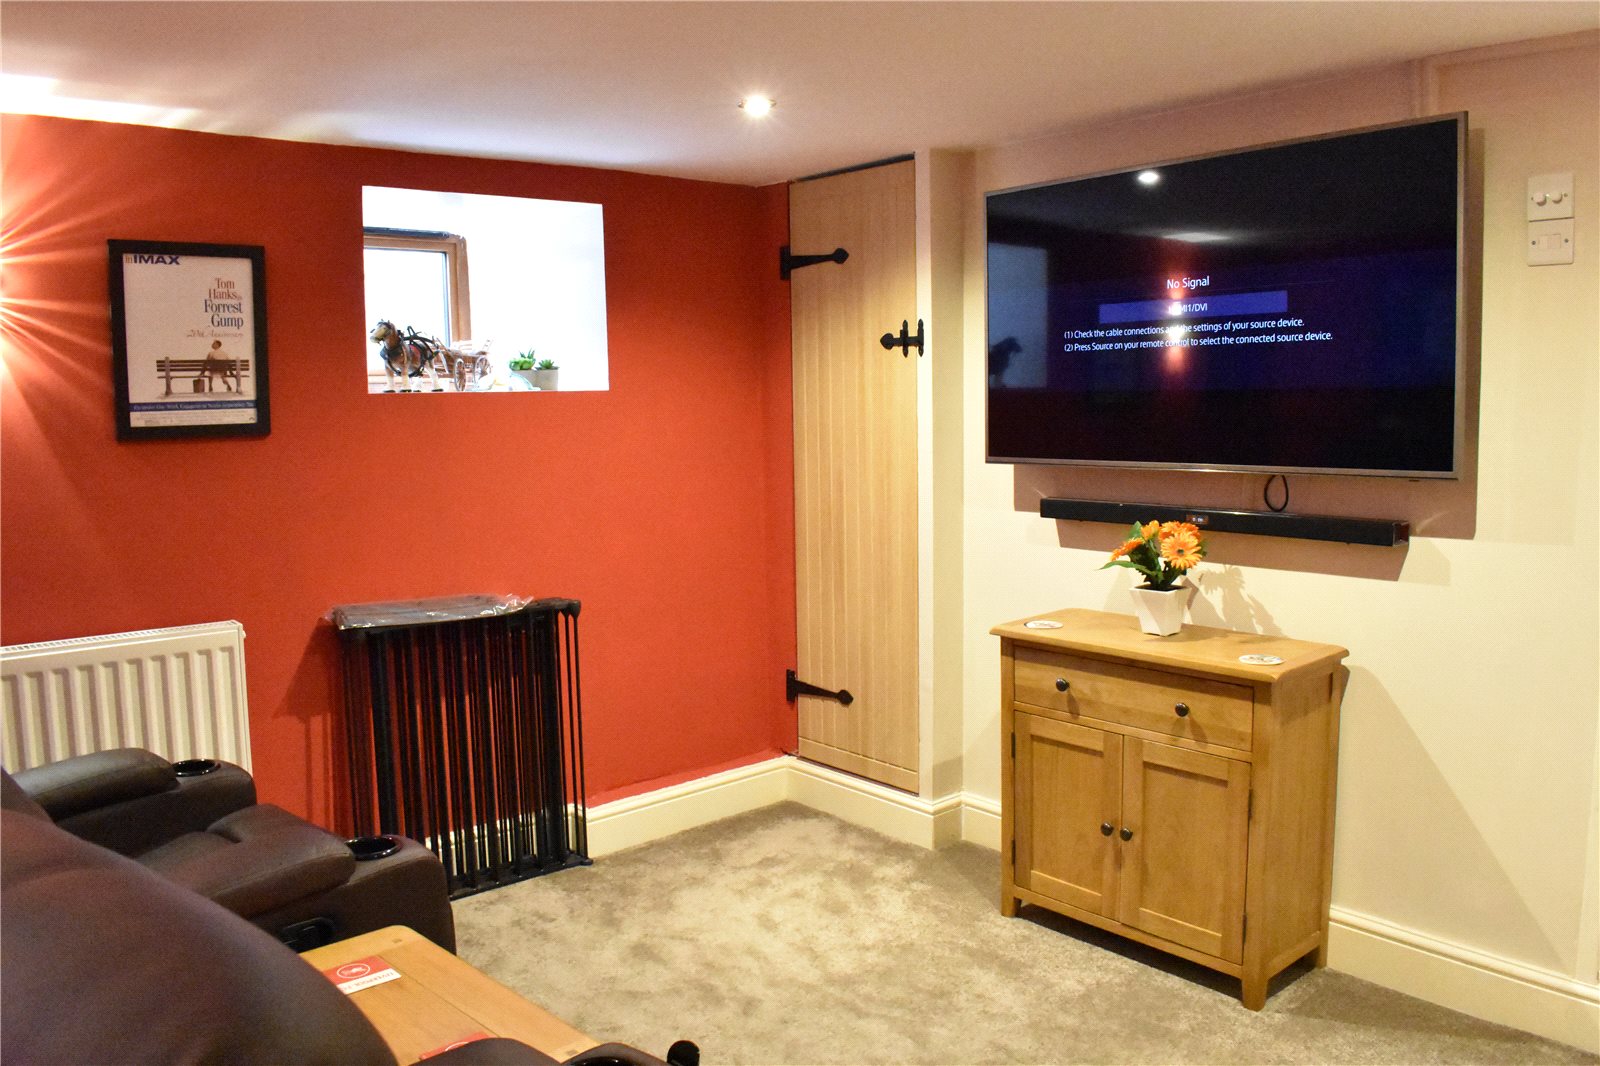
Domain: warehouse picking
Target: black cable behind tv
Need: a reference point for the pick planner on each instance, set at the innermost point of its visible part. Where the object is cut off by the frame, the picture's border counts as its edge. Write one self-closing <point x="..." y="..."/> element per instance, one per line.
<point x="1380" y="531"/>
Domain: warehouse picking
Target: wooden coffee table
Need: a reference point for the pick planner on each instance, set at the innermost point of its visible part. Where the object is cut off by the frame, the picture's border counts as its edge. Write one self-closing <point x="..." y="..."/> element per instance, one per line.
<point x="439" y="1000"/>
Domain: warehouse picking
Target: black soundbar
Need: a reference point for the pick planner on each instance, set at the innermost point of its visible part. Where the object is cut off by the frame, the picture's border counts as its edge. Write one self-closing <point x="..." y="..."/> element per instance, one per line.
<point x="1379" y="531"/>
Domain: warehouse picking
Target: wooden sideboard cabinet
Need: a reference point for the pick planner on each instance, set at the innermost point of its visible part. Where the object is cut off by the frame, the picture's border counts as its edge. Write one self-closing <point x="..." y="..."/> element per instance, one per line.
<point x="1165" y="790"/>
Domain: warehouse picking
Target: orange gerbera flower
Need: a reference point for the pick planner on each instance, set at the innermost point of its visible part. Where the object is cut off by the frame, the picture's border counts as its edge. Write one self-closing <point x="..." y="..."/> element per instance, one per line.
<point x="1127" y="546"/>
<point x="1169" y="529"/>
<point x="1149" y="529"/>
<point x="1182" y="550"/>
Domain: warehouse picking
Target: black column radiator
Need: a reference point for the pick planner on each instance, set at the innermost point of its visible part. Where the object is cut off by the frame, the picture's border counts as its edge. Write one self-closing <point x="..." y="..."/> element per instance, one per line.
<point x="464" y="726"/>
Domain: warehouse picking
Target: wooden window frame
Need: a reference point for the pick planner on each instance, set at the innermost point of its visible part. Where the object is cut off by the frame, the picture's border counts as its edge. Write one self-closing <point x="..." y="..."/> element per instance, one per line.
<point x="454" y="248"/>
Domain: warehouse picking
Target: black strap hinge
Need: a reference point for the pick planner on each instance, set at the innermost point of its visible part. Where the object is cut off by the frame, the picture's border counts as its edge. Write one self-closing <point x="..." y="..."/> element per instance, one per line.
<point x="795" y="688"/>
<point x="788" y="263"/>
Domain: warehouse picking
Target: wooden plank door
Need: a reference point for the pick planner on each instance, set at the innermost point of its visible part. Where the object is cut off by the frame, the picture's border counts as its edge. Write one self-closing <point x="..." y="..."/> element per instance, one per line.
<point x="855" y="429"/>
<point x="1068" y="782"/>
<point x="1183" y="866"/>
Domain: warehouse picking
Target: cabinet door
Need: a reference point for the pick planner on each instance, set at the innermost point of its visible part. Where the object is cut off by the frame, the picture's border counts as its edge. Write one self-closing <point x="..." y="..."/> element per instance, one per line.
<point x="1183" y="865"/>
<point x="1067" y="788"/>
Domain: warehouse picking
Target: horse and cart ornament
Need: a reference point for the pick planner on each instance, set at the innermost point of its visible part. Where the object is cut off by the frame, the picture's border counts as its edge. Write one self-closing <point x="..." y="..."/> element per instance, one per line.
<point x="408" y="355"/>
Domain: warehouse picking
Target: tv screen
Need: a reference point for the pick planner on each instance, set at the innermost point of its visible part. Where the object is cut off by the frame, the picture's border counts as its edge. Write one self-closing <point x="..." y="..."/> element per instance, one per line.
<point x="1289" y="308"/>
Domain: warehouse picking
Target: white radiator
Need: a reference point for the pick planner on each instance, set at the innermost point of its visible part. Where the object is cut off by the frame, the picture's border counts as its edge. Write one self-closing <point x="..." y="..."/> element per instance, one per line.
<point x="178" y="692"/>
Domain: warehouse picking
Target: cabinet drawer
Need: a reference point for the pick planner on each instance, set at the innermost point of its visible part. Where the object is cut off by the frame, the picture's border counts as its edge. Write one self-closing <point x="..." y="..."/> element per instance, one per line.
<point x="1215" y="712"/>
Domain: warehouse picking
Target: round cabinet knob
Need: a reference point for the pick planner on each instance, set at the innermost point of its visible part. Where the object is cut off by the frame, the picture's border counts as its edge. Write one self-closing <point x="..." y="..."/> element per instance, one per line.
<point x="1126" y="834"/>
<point x="1061" y="684"/>
<point x="1105" y="829"/>
<point x="1182" y="709"/>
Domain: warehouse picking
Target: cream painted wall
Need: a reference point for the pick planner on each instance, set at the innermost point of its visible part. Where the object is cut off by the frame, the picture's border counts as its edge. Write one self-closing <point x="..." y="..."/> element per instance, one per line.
<point x="1468" y="761"/>
<point x="944" y="182"/>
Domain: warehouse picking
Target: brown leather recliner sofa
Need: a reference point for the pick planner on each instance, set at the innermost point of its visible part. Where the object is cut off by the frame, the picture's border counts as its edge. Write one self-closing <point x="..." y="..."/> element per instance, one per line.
<point x="105" y="960"/>
<point x="197" y="823"/>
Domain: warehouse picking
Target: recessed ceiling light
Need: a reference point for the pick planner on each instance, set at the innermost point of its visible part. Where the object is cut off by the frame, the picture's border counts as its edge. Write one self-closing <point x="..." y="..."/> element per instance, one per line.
<point x="1148" y="177"/>
<point x="757" y="106"/>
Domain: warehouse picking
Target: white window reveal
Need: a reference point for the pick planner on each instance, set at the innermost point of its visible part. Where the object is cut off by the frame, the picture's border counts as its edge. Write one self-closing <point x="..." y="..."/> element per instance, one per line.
<point x="537" y="293"/>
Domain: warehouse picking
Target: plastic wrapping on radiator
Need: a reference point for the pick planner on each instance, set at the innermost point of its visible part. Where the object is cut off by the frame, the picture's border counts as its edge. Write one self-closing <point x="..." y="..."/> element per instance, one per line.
<point x="424" y="612"/>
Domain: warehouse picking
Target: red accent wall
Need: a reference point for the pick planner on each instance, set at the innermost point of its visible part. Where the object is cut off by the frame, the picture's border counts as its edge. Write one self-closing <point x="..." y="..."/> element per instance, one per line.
<point x="665" y="504"/>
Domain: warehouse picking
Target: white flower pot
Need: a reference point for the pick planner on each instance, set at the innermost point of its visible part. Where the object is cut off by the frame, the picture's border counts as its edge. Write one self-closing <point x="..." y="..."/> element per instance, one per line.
<point x="1161" y="611"/>
<point x="546" y="379"/>
<point x="528" y="376"/>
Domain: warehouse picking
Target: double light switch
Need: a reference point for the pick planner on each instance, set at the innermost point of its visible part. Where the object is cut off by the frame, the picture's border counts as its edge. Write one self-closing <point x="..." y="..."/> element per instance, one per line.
<point x="1549" y="206"/>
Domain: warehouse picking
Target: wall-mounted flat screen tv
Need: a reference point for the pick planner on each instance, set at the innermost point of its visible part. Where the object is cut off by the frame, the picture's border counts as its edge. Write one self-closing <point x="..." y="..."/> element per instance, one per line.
<point x="1293" y="308"/>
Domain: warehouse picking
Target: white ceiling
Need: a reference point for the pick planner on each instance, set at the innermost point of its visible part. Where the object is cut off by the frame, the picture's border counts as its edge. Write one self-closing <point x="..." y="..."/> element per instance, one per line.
<point x="653" y="86"/>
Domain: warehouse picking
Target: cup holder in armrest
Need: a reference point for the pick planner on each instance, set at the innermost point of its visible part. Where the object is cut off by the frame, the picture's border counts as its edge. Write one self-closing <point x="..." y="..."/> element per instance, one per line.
<point x="365" y="848"/>
<point x="194" y="767"/>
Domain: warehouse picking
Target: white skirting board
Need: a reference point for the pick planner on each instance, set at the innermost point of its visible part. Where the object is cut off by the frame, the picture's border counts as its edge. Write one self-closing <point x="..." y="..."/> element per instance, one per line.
<point x="1472" y="982"/>
<point x="639" y="819"/>
<point x="1450" y="975"/>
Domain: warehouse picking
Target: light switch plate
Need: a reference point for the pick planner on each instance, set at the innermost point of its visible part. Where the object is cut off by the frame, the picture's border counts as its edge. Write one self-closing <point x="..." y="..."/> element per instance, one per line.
<point x="1549" y="196"/>
<point x="1550" y="242"/>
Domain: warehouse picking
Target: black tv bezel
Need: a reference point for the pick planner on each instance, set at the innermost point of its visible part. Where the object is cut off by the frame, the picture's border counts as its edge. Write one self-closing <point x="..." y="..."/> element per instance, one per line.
<point x="1458" y="442"/>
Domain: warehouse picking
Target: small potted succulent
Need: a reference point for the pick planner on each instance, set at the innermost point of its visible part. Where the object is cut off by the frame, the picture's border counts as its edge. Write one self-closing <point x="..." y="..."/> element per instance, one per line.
<point x="523" y="366"/>
<point x="544" y="374"/>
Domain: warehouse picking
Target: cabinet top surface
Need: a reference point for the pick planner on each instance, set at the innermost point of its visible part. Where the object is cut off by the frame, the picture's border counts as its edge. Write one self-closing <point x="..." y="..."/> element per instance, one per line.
<point x="1201" y="649"/>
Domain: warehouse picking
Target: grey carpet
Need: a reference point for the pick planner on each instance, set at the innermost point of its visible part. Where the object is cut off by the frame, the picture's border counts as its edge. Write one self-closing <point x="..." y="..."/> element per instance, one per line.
<point x="787" y="936"/>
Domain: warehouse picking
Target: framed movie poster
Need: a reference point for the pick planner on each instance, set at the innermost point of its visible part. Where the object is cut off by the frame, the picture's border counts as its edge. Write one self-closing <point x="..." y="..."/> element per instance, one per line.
<point x="189" y="339"/>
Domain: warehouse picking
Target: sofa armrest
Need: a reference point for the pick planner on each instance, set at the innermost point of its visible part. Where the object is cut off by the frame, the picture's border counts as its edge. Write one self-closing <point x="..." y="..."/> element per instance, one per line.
<point x="99" y="779"/>
<point x="132" y="816"/>
<point x="407" y="888"/>
<point x="500" y="1051"/>
<point x="495" y="1051"/>
<point x="618" y="1055"/>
